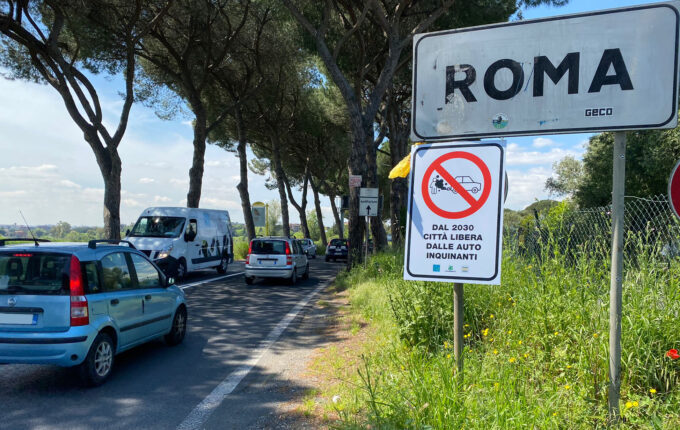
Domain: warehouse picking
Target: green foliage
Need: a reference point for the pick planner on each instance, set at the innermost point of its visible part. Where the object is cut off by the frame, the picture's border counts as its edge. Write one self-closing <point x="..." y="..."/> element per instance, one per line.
<point x="568" y="176"/>
<point x="535" y="347"/>
<point x="240" y="249"/>
<point x="313" y="224"/>
<point x="650" y="156"/>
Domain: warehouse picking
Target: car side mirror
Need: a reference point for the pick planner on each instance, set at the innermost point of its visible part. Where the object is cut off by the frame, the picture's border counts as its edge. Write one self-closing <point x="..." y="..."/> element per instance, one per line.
<point x="170" y="282"/>
<point x="306" y="251"/>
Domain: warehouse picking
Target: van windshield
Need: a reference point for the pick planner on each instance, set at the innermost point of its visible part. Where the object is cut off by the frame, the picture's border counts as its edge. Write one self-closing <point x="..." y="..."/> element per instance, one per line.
<point x="158" y="226"/>
<point x="268" y="247"/>
<point x="33" y="273"/>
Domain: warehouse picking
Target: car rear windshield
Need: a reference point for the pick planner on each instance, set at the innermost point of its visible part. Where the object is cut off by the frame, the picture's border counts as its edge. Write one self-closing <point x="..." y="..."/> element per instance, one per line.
<point x="339" y="242"/>
<point x="158" y="226"/>
<point x="34" y="273"/>
<point x="268" y="247"/>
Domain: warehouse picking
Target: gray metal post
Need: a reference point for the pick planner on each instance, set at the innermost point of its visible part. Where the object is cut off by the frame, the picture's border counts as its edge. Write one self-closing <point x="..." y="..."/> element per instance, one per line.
<point x="458" y="326"/>
<point x="618" y="208"/>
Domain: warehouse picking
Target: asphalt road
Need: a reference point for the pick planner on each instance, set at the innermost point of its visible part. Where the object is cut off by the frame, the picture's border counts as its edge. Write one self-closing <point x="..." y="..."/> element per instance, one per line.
<point x="159" y="387"/>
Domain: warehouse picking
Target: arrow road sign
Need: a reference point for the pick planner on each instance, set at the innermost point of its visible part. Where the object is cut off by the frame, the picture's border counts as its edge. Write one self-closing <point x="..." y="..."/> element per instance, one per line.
<point x="368" y="201"/>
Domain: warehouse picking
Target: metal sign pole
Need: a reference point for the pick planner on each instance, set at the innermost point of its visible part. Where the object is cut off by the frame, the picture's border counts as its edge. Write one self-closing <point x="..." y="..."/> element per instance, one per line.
<point x="458" y="327"/>
<point x="618" y="208"/>
<point x="266" y="218"/>
<point x="367" y="228"/>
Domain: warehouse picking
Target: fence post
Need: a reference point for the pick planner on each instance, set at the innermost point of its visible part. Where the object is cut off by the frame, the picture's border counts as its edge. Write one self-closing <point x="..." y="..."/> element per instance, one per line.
<point x="458" y="327"/>
<point x="618" y="208"/>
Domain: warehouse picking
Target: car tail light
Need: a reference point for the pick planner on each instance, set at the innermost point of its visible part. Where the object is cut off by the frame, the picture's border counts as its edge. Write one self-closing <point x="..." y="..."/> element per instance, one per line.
<point x="287" y="249"/>
<point x="289" y="260"/>
<point x="250" y="250"/>
<point x="79" y="315"/>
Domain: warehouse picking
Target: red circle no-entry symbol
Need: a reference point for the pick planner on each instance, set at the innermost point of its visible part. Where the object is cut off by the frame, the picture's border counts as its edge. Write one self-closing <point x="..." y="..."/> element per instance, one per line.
<point x="674" y="189"/>
<point x="455" y="184"/>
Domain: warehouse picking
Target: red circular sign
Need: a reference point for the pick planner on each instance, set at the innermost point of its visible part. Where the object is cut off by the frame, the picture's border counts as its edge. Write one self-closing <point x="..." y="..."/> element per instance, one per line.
<point x="475" y="204"/>
<point x="674" y="189"/>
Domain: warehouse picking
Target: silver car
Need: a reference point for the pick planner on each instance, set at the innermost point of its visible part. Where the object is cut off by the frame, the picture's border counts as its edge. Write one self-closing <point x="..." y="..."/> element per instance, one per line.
<point x="309" y="246"/>
<point x="276" y="257"/>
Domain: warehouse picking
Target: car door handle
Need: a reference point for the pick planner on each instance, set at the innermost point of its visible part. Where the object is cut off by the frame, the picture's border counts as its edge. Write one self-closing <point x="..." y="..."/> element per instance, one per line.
<point x="147" y="297"/>
<point x="114" y="302"/>
<point x="198" y="244"/>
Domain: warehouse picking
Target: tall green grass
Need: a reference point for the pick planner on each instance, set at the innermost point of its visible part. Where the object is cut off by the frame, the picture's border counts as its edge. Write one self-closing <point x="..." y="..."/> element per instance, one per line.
<point x="536" y="347"/>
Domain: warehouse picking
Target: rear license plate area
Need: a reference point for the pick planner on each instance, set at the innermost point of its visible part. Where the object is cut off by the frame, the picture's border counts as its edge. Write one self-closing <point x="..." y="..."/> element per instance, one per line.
<point x="266" y="261"/>
<point x="18" y="319"/>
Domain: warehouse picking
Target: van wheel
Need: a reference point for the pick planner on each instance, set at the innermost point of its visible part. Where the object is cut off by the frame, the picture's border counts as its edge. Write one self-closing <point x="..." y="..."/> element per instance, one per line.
<point x="222" y="268"/>
<point x="96" y="368"/>
<point x="249" y="280"/>
<point x="179" y="327"/>
<point x="293" y="278"/>
<point x="306" y="274"/>
<point x="181" y="269"/>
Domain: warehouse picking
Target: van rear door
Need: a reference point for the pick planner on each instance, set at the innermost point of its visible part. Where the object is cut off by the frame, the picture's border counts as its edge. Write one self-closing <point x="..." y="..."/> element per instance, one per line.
<point x="34" y="291"/>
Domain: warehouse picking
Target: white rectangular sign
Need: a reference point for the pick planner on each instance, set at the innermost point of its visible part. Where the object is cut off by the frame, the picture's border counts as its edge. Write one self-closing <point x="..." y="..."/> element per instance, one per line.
<point x="455" y="213"/>
<point x="614" y="69"/>
<point x="368" y="202"/>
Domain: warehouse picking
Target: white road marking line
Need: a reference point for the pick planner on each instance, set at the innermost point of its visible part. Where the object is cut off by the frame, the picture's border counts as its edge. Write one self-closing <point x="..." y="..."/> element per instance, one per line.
<point x="205" y="281"/>
<point x="203" y="410"/>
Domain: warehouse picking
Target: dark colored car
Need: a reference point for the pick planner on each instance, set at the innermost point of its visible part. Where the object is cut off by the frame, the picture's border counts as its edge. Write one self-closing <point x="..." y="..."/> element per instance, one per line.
<point x="337" y="249"/>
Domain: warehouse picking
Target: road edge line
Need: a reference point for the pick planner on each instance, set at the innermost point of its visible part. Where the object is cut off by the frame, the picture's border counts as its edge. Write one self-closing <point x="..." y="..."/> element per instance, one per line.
<point x="205" y="281"/>
<point x="200" y="414"/>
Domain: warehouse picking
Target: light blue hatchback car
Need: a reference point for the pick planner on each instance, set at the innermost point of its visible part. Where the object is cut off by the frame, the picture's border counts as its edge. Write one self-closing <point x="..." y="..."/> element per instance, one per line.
<point x="76" y="304"/>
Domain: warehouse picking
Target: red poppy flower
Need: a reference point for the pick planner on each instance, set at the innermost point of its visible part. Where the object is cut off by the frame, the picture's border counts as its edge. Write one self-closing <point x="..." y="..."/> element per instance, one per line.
<point x="673" y="354"/>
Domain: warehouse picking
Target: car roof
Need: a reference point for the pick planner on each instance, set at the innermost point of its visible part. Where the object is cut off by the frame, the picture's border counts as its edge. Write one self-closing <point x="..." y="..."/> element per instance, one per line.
<point x="79" y="249"/>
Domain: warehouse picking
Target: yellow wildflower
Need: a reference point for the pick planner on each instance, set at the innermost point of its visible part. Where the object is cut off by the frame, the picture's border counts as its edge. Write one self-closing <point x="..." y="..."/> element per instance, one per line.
<point x="496" y="384"/>
<point x="495" y="351"/>
<point x="491" y="340"/>
<point x="512" y="360"/>
<point x="595" y="335"/>
<point x="466" y="325"/>
<point x="636" y="404"/>
<point x="491" y="316"/>
<point x="554" y="414"/>
<point x="567" y="387"/>
<point x="446" y="345"/>
<point x="448" y="355"/>
<point x="568" y="366"/>
<point x="629" y="405"/>
<point x="556" y="333"/>
<point x="519" y="343"/>
<point x="526" y="355"/>
<point x="652" y="391"/>
<point x="485" y="332"/>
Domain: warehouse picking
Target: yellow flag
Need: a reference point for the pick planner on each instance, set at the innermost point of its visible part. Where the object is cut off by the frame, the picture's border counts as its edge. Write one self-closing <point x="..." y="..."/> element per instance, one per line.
<point x="402" y="169"/>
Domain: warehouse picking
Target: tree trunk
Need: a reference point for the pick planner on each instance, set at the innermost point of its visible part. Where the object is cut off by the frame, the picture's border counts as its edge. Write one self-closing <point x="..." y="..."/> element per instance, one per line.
<point x="336" y="215"/>
<point x="300" y="208"/>
<point x="280" y="182"/>
<point x="319" y="214"/>
<point x="110" y="166"/>
<point x="376" y="225"/>
<point x="242" y="186"/>
<point x="196" y="171"/>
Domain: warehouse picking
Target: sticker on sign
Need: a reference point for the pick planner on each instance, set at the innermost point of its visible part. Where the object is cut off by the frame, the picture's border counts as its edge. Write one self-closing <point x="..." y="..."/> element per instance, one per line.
<point x="455" y="217"/>
<point x="614" y="69"/>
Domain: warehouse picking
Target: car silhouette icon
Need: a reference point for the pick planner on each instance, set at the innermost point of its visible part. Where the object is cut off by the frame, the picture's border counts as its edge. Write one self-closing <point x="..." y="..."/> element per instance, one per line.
<point x="469" y="184"/>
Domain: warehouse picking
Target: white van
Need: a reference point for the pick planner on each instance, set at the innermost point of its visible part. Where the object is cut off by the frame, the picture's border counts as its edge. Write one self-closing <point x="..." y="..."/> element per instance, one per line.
<point x="182" y="240"/>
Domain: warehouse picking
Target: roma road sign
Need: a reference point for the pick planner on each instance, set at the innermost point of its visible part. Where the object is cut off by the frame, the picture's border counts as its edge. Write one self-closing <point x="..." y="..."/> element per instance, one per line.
<point x="614" y="69"/>
<point x="455" y="216"/>
<point x="674" y="189"/>
<point x="368" y="202"/>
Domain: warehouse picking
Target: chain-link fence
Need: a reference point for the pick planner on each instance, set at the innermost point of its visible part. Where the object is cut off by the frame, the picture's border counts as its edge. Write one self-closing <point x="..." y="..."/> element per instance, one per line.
<point x="648" y="223"/>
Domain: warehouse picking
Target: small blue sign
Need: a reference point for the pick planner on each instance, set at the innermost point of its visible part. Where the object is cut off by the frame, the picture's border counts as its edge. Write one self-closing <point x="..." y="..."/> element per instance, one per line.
<point x="436" y="268"/>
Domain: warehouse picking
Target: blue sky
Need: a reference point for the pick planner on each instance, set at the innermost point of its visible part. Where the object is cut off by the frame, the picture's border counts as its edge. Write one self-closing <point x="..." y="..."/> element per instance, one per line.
<point x="48" y="171"/>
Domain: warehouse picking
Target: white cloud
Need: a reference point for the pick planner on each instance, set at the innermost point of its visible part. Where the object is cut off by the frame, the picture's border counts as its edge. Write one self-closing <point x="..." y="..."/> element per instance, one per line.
<point x="525" y="187"/>
<point x="517" y="156"/>
<point x="69" y="184"/>
<point x="146" y="180"/>
<point x="542" y="142"/>
<point x="161" y="199"/>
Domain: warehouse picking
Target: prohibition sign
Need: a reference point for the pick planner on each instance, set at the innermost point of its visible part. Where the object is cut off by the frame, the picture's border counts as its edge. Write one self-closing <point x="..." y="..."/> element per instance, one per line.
<point x="475" y="204"/>
<point x="674" y="190"/>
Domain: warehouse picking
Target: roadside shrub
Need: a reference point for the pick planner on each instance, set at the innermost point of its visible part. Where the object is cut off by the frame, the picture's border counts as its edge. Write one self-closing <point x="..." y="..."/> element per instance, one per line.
<point x="536" y="347"/>
<point x="240" y="249"/>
